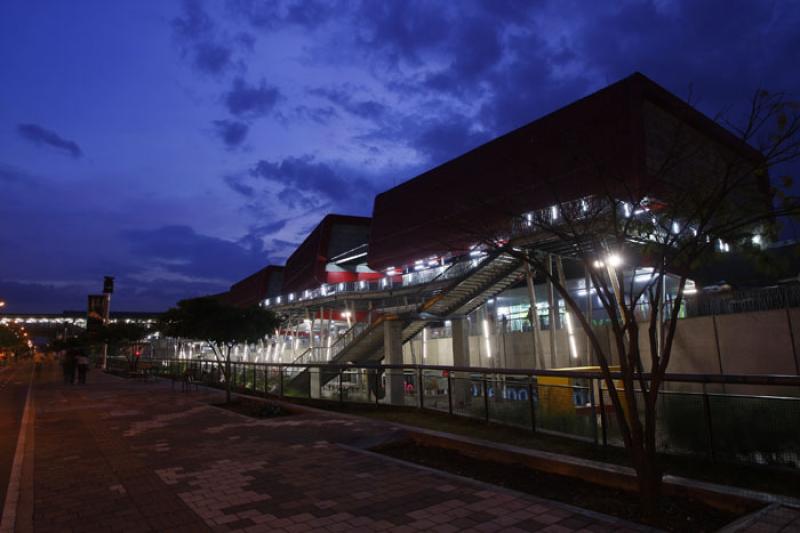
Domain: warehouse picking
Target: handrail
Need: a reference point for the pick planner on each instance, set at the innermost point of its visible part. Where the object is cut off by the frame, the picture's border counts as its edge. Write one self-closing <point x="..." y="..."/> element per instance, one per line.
<point x="733" y="379"/>
<point x="302" y="355"/>
<point x="446" y="273"/>
<point x="350" y="332"/>
<point x="450" y="270"/>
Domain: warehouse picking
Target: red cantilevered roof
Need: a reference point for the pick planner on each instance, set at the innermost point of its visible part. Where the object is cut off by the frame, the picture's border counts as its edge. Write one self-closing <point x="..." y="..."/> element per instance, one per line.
<point x="255" y="287"/>
<point x="305" y="268"/>
<point x="570" y="153"/>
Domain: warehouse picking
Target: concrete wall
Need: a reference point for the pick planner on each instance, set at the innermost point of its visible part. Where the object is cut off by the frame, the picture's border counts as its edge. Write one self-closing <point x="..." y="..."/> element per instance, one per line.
<point x="747" y="343"/>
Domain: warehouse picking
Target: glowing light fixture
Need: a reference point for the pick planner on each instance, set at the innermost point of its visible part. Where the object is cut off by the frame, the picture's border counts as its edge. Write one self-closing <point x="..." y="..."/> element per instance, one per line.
<point x="614" y="260"/>
<point x="573" y="350"/>
<point x="486" y="338"/>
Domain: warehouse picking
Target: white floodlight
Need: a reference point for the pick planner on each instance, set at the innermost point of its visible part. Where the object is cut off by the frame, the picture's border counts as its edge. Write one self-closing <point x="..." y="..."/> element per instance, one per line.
<point x="614" y="260"/>
<point x="487" y="339"/>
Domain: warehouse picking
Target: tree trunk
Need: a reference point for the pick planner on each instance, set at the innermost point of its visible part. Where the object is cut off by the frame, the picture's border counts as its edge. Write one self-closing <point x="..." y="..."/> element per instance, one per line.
<point x="649" y="479"/>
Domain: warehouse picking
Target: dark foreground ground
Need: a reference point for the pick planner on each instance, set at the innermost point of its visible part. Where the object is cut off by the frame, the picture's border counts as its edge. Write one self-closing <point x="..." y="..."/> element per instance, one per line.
<point x="119" y="455"/>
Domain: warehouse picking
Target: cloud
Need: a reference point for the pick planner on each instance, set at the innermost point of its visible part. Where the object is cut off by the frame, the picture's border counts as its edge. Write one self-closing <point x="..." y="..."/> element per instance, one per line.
<point x="401" y="31"/>
<point x="450" y="137"/>
<point x="304" y="174"/>
<point x="321" y="115"/>
<point x="44" y="137"/>
<point x="231" y="132"/>
<point x="195" y="23"/>
<point x="236" y="183"/>
<point x="343" y="97"/>
<point x="10" y="175"/>
<point x="179" y="249"/>
<point x="250" y="100"/>
<point x="199" y="38"/>
<point x="33" y="297"/>
<point x="211" y="57"/>
<point x="268" y="15"/>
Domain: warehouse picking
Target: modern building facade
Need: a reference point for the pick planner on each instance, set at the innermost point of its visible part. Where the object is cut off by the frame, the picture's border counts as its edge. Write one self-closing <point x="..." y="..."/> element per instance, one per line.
<point x="416" y="283"/>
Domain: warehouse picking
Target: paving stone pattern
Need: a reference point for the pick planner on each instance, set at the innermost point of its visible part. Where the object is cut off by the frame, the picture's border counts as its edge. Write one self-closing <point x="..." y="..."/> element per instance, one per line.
<point x="775" y="519"/>
<point x="117" y="455"/>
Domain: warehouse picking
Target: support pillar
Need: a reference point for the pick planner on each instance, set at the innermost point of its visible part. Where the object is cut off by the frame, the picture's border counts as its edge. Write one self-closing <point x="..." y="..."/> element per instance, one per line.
<point x="587" y="284"/>
<point x="315" y="386"/>
<point x="572" y="344"/>
<point x="538" y="349"/>
<point x="460" y="380"/>
<point x="460" y="342"/>
<point x="393" y="355"/>
<point x="552" y="309"/>
<point x="311" y="332"/>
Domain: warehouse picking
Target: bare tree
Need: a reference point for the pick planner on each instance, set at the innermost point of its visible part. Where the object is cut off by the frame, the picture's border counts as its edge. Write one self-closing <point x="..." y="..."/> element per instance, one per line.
<point x="700" y="194"/>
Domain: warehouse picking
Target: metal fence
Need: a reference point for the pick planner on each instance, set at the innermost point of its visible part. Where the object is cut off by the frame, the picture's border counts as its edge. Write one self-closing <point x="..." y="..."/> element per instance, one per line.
<point x="743" y="301"/>
<point x="747" y="428"/>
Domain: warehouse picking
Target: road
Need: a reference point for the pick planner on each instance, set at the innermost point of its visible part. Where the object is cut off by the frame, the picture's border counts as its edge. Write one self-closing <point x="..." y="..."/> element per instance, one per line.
<point x="14" y="383"/>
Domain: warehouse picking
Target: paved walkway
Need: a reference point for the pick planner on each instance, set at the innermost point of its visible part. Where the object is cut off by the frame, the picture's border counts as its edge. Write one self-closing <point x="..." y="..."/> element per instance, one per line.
<point x="118" y="455"/>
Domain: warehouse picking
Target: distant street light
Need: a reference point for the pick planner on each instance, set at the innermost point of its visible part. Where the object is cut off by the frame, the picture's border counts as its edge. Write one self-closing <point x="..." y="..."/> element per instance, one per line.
<point x="2" y="303"/>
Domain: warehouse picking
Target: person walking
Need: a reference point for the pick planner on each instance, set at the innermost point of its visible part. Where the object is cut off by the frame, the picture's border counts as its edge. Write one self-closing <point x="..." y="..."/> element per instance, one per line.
<point x="68" y="365"/>
<point x="38" y="361"/>
<point x="83" y="366"/>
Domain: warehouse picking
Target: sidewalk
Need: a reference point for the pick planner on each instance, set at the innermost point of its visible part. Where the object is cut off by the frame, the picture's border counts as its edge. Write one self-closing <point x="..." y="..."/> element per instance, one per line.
<point x="128" y="456"/>
<point x="118" y="455"/>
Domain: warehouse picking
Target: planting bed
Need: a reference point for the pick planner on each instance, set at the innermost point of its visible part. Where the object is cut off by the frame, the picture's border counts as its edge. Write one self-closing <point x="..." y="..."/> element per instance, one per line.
<point x="255" y="408"/>
<point x="676" y="513"/>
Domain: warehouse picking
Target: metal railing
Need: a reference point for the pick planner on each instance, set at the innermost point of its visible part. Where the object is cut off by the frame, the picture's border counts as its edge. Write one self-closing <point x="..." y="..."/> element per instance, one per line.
<point x="743" y="301"/>
<point x="759" y="423"/>
<point x="389" y="282"/>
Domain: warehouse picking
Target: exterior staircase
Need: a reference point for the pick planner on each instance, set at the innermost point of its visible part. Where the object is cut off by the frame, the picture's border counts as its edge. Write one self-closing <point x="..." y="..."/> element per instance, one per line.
<point x="488" y="278"/>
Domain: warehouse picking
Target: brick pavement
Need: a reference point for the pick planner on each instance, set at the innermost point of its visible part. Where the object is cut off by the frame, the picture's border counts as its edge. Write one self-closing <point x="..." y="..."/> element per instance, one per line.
<point x="118" y="455"/>
<point x="777" y="518"/>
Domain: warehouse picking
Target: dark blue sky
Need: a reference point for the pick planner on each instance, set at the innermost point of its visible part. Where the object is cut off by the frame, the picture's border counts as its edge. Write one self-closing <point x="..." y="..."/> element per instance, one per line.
<point x="183" y="145"/>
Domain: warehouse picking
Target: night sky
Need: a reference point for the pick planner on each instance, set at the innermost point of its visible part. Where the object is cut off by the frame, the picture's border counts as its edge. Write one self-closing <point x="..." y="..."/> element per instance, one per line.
<point x="181" y="146"/>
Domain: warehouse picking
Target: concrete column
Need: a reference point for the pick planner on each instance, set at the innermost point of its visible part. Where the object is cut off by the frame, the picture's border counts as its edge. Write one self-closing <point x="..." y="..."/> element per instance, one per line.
<point x="323" y="335"/>
<point x="315" y="387"/>
<point x="460" y="342"/>
<point x="311" y="331"/>
<point x="460" y="358"/>
<point x="538" y="350"/>
<point x="393" y="355"/>
<point x="588" y="286"/>
<point x="572" y="343"/>
<point x="553" y="314"/>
